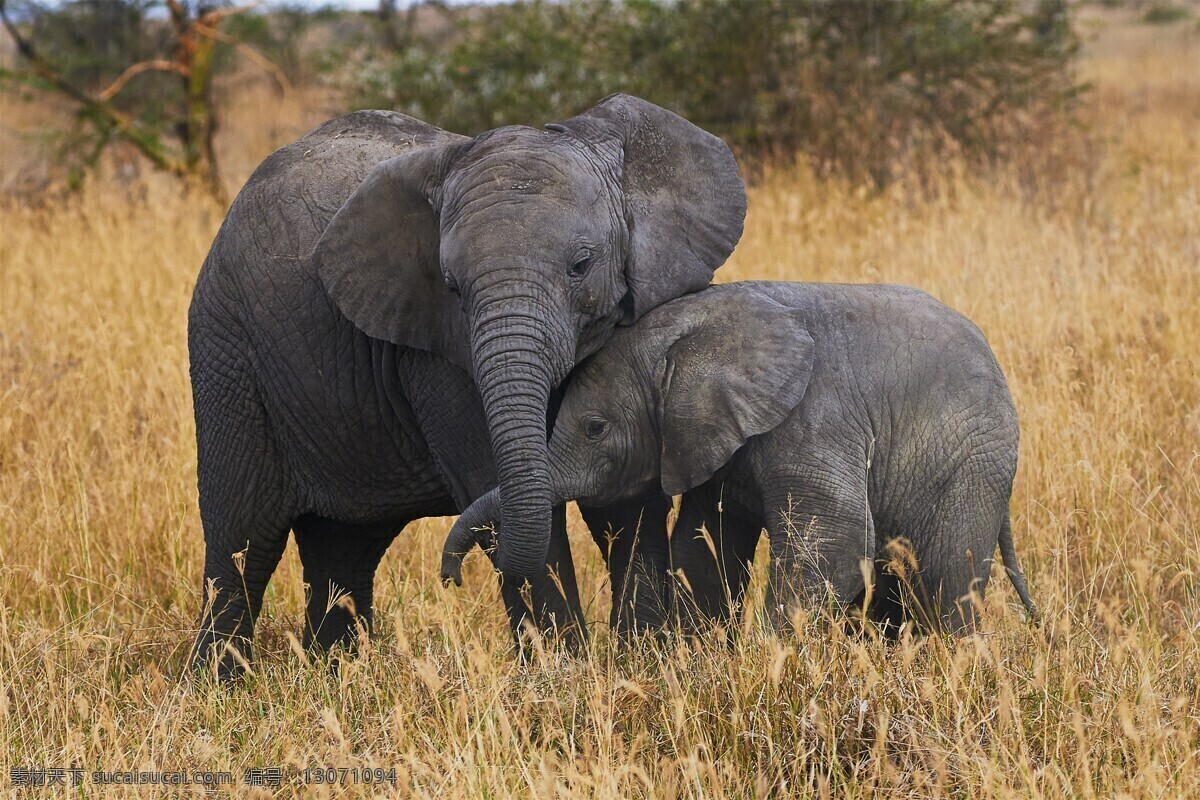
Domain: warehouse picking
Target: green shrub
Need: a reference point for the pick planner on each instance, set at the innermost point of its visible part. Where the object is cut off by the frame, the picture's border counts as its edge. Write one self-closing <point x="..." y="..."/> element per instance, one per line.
<point x="858" y="85"/>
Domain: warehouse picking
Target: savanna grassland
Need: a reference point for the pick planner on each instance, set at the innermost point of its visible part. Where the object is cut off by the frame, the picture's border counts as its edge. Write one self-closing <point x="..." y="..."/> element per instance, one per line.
<point x="1081" y="263"/>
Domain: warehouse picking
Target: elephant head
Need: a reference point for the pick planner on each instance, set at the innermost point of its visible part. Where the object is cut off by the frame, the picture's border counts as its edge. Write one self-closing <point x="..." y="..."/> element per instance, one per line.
<point x="515" y="253"/>
<point x="666" y="402"/>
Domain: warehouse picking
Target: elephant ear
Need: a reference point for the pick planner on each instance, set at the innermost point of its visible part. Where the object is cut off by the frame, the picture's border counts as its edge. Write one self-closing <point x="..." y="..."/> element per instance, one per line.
<point x="379" y="256"/>
<point x="741" y="364"/>
<point x="685" y="202"/>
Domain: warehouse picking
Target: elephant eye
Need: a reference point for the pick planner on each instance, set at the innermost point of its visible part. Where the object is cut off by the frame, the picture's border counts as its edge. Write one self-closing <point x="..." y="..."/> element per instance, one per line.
<point x="595" y="428"/>
<point x="581" y="265"/>
<point x="451" y="284"/>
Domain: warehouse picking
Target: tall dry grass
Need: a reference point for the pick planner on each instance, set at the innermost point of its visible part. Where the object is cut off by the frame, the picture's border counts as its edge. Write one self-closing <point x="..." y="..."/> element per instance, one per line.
<point x="1084" y="272"/>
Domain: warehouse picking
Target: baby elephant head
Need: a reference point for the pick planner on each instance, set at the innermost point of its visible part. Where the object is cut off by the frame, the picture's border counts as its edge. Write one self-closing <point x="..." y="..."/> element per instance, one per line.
<point x="668" y="402"/>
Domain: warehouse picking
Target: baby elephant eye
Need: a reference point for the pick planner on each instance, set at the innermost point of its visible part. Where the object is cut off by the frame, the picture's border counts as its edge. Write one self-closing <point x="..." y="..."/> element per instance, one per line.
<point x="451" y="284"/>
<point x="594" y="428"/>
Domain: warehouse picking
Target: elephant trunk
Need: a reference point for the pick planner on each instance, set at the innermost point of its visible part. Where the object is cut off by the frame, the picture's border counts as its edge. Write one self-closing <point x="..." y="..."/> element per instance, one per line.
<point x="472" y="528"/>
<point x="479" y="523"/>
<point x="517" y="362"/>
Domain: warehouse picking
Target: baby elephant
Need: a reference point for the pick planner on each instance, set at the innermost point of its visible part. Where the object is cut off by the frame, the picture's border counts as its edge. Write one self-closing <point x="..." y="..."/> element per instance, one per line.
<point x="845" y="420"/>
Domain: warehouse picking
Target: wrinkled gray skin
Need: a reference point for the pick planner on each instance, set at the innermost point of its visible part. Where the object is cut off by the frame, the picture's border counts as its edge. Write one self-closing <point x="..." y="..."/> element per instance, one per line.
<point x="380" y="328"/>
<point x="840" y="418"/>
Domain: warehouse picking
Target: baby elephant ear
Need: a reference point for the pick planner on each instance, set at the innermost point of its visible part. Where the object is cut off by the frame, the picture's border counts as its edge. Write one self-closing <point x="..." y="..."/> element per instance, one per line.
<point x="684" y="200"/>
<point x="737" y="371"/>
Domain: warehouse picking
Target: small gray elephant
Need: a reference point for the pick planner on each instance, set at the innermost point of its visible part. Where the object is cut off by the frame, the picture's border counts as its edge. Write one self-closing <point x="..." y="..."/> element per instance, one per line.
<point x="842" y="419"/>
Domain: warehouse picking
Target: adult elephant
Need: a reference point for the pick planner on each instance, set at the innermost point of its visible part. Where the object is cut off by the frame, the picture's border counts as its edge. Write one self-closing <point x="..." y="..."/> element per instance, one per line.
<point x="380" y="326"/>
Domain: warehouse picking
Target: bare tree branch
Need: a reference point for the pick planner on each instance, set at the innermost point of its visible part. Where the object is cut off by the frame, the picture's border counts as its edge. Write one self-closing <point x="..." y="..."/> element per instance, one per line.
<point x="249" y="52"/>
<point x="155" y="65"/>
<point x="178" y="12"/>
<point x="216" y="15"/>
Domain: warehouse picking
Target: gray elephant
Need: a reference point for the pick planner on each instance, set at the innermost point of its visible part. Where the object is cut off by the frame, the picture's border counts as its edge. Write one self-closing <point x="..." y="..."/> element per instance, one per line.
<point x="381" y="325"/>
<point x="842" y="419"/>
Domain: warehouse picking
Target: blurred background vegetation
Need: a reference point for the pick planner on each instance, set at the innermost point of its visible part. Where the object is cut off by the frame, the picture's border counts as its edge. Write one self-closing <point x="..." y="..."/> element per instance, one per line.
<point x="864" y="88"/>
<point x="858" y="85"/>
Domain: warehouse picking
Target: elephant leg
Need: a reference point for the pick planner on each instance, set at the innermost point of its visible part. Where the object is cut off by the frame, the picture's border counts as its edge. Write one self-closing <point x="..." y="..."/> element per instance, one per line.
<point x="632" y="536"/>
<point x="339" y="562"/>
<point x="953" y="550"/>
<point x="820" y="534"/>
<point x="238" y="563"/>
<point x="712" y="550"/>
<point x="891" y="601"/>
<point x="550" y="604"/>
<point x="246" y="511"/>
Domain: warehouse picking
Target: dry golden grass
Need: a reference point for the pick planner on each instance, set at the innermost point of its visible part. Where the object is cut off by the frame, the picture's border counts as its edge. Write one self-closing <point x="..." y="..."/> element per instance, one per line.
<point x="1083" y="272"/>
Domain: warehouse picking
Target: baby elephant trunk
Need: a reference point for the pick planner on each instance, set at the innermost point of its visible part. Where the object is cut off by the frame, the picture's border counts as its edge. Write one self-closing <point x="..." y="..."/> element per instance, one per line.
<point x="474" y="527"/>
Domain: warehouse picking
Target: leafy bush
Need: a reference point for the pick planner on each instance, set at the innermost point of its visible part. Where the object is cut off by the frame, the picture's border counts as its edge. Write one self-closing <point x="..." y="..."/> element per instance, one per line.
<point x="859" y="85"/>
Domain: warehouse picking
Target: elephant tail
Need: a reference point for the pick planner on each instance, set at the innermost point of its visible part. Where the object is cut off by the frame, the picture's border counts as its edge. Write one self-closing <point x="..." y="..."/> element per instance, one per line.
<point x="1008" y="555"/>
<point x="474" y="527"/>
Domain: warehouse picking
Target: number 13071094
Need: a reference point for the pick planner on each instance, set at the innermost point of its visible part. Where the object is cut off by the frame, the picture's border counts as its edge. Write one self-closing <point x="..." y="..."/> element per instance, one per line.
<point x="349" y="775"/>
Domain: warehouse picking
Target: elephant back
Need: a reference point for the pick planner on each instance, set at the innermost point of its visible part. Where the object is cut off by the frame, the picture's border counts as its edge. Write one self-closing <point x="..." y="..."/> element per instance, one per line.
<point x="291" y="197"/>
